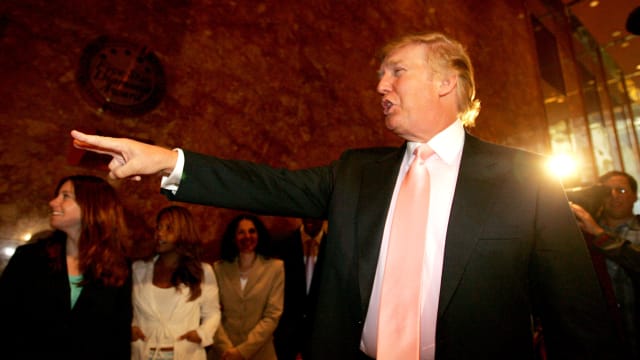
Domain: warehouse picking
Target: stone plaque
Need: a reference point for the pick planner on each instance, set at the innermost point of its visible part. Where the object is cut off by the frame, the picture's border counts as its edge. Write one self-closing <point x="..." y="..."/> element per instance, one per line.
<point x="120" y="77"/>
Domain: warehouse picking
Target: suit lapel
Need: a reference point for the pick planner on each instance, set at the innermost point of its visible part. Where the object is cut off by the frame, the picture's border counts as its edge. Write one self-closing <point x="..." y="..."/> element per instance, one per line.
<point x="294" y="261"/>
<point x="317" y="269"/>
<point x="377" y="183"/>
<point x="474" y="192"/>
<point x="57" y="282"/>
<point x="229" y="275"/>
<point x="254" y="274"/>
<point x="255" y="281"/>
<point x="297" y="253"/>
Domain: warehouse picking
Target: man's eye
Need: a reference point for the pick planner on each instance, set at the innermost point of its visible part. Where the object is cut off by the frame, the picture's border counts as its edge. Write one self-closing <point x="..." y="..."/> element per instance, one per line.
<point x="619" y="190"/>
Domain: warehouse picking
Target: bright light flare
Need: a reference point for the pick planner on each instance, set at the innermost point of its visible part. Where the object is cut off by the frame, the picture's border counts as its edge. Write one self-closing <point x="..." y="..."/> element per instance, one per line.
<point x="8" y="251"/>
<point x="562" y="166"/>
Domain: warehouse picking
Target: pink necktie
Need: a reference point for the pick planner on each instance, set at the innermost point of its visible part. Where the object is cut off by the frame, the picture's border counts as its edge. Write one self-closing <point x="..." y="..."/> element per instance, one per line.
<point x="399" y="318"/>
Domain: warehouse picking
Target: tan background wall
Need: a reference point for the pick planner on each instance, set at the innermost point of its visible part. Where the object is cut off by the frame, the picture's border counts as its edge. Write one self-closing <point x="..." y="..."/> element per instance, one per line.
<point x="285" y="82"/>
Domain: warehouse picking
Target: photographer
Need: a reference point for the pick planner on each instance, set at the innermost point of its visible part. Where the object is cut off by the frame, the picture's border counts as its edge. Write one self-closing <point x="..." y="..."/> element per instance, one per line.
<point x="616" y="235"/>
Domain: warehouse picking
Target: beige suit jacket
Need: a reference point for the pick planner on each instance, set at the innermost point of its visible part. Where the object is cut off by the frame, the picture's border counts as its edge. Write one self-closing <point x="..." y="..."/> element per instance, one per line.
<point x="249" y="316"/>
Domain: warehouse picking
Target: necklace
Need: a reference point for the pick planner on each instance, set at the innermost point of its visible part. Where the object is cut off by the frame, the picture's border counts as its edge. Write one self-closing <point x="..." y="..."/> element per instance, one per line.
<point x="244" y="270"/>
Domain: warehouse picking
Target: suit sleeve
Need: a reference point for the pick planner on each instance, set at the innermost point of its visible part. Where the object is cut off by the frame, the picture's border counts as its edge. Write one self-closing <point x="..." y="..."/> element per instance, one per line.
<point x="221" y="341"/>
<point x="237" y="184"/>
<point x="566" y="292"/>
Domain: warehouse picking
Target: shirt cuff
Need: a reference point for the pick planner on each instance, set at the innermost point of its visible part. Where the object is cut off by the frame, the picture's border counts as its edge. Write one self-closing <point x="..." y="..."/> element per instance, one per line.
<point x="172" y="182"/>
<point x="601" y="239"/>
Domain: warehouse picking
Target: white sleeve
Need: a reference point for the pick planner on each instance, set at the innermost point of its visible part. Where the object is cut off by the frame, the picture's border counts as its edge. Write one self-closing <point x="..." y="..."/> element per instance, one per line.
<point x="210" y="307"/>
<point x="172" y="181"/>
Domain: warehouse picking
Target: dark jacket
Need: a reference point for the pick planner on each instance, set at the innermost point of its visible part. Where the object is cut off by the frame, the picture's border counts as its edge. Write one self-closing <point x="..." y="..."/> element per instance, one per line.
<point x="294" y="329"/>
<point x="38" y="321"/>
<point x="513" y="249"/>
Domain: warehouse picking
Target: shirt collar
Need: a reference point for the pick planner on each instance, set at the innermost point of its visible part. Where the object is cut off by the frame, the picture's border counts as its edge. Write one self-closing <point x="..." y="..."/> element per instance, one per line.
<point x="447" y="144"/>
<point x="633" y="223"/>
<point x="305" y="237"/>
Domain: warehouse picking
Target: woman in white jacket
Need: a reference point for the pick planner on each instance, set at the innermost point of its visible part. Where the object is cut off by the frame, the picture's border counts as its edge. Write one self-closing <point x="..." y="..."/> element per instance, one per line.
<point x="176" y="309"/>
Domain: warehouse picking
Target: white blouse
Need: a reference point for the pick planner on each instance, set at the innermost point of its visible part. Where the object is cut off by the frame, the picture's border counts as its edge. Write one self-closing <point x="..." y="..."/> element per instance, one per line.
<point x="164" y="315"/>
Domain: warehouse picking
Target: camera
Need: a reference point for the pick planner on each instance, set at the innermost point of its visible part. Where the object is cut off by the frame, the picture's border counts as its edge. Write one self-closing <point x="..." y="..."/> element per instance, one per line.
<point x="591" y="198"/>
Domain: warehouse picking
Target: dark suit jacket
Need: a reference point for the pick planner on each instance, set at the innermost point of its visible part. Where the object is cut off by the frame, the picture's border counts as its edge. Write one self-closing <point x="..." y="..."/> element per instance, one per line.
<point x="38" y="321"/>
<point x="293" y="333"/>
<point x="513" y="249"/>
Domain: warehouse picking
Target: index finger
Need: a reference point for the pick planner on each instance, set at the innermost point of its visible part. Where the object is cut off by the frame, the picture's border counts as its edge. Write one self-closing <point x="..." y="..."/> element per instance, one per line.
<point x="95" y="143"/>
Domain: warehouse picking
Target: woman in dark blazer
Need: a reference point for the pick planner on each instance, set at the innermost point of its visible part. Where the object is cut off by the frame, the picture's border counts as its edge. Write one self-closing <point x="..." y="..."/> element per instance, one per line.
<point x="68" y="296"/>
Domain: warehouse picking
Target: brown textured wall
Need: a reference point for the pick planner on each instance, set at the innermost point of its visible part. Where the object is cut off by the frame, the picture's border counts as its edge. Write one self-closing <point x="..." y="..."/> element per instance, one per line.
<point x="286" y="82"/>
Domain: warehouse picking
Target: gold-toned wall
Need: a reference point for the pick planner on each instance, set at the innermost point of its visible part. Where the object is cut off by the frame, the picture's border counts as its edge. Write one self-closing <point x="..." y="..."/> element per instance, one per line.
<point x="286" y="82"/>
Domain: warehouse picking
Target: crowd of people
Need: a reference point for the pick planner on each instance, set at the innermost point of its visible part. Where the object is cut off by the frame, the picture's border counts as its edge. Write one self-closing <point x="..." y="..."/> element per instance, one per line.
<point x="447" y="247"/>
<point x="77" y="292"/>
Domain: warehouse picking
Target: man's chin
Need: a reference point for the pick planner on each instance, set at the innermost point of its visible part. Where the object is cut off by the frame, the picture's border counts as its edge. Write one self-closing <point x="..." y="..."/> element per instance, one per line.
<point x="391" y="123"/>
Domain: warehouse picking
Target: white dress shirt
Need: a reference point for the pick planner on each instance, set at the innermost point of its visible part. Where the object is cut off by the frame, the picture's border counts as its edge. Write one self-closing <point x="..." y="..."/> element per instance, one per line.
<point x="443" y="169"/>
<point x="310" y="259"/>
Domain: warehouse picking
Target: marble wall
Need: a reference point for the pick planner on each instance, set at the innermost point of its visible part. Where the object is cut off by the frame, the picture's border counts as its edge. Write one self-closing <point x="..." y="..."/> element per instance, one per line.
<point x="285" y="82"/>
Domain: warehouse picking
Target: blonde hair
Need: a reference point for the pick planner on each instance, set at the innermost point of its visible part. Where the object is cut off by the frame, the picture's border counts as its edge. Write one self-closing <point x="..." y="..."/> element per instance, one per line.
<point x="446" y="55"/>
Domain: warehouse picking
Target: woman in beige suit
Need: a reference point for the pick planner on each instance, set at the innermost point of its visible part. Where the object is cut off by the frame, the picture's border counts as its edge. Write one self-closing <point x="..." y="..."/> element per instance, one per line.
<point x="251" y="292"/>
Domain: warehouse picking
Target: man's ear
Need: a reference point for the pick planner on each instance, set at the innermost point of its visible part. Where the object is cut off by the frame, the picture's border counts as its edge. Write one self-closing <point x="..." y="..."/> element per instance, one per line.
<point x="447" y="85"/>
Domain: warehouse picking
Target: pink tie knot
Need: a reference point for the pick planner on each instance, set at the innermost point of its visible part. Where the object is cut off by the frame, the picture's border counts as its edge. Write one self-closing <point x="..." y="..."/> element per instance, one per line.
<point x="423" y="152"/>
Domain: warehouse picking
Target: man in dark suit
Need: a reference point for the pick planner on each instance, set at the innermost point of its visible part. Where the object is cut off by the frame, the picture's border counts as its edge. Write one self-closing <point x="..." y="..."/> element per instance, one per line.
<point x="501" y="246"/>
<point x="302" y="253"/>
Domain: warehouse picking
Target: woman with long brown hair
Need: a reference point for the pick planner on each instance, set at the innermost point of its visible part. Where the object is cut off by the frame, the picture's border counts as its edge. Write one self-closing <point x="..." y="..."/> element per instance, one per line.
<point x="175" y="295"/>
<point x="68" y="296"/>
<point x="251" y="292"/>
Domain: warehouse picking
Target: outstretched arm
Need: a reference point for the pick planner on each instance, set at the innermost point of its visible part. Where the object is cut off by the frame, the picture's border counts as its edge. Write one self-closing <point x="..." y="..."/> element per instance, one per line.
<point x="131" y="158"/>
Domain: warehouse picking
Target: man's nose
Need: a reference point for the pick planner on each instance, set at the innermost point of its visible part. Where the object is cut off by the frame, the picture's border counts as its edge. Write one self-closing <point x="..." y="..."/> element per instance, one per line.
<point x="384" y="84"/>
